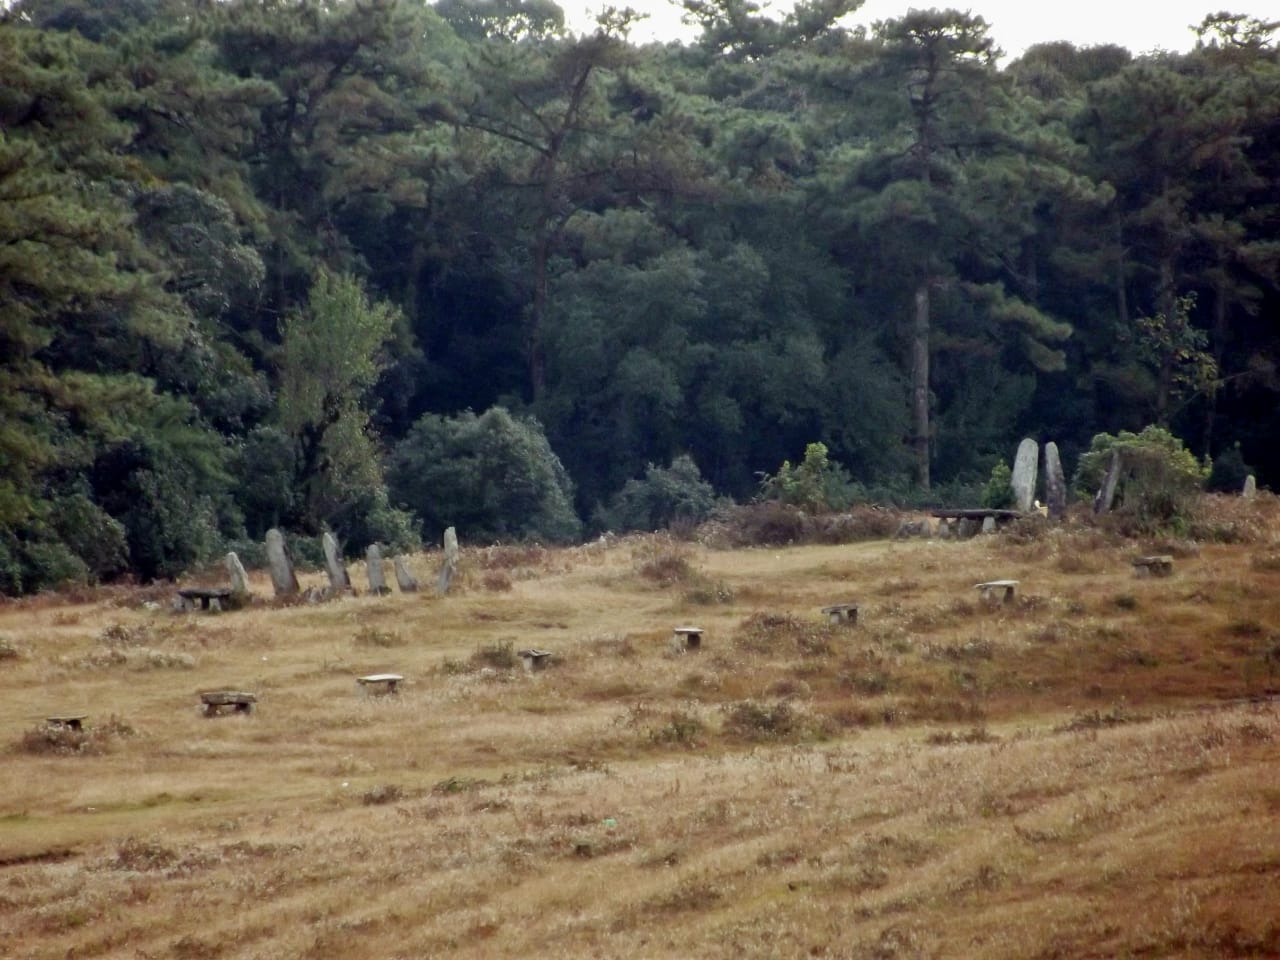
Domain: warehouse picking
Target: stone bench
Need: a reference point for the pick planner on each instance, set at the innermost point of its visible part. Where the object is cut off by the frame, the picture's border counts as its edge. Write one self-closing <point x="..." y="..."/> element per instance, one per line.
<point x="216" y="700"/>
<point x="992" y="587"/>
<point x="189" y="598"/>
<point x="380" y="684"/>
<point x="1161" y="566"/>
<point x="72" y="721"/>
<point x="534" y="659"/>
<point x="841" y="613"/>
<point x="687" y="638"/>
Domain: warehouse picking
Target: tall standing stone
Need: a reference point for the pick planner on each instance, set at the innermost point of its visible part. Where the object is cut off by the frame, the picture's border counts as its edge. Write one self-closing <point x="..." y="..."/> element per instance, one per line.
<point x="1250" y="488"/>
<point x="339" y="581"/>
<point x="282" y="576"/>
<point x="1055" y="484"/>
<point x="239" y="579"/>
<point x="405" y="580"/>
<point x="1024" y="474"/>
<point x="1107" y="492"/>
<point x="450" y="565"/>
<point x="377" y="576"/>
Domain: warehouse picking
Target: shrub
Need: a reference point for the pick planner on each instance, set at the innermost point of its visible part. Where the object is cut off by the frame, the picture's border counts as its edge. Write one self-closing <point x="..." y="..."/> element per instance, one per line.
<point x="1159" y="480"/>
<point x="998" y="493"/>
<point x="815" y="485"/>
<point x="493" y="476"/>
<point x="665" y="496"/>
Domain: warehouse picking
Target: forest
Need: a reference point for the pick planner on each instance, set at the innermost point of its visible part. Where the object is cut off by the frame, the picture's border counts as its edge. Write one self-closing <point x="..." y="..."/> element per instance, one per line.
<point x="381" y="267"/>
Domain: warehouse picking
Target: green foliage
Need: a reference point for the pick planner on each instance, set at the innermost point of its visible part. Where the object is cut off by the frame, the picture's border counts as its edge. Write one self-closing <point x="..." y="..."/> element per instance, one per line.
<point x="815" y="485"/>
<point x="998" y="493"/>
<point x="493" y="477"/>
<point x="1160" y="480"/>
<point x="664" y="496"/>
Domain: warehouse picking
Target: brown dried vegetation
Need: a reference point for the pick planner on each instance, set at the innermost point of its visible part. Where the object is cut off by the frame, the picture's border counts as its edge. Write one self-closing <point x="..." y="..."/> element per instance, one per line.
<point x="1092" y="770"/>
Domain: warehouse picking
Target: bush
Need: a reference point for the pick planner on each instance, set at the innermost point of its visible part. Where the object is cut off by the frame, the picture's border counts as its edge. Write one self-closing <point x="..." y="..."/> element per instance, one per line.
<point x="664" y="496"/>
<point x="493" y="477"/>
<point x="815" y="485"/>
<point x="1160" y="480"/>
<point x="998" y="493"/>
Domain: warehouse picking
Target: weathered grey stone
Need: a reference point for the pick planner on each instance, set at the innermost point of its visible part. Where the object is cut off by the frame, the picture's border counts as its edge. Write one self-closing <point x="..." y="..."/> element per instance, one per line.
<point x="967" y="528"/>
<point x="282" y="576"/>
<point x="377" y="576"/>
<point x="1055" y="483"/>
<point x="1024" y="474"/>
<point x="1107" y="492"/>
<point x="404" y="578"/>
<point x="988" y="524"/>
<point x="944" y="529"/>
<point x="450" y="565"/>
<point x="239" y="579"/>
<point x="339" y="580"/>
<point x="1250" y="487"/>
<point x="913" y="528"/>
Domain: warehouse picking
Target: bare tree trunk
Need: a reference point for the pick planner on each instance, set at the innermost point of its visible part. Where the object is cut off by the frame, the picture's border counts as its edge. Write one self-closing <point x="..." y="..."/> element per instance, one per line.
<point x="920" y="383"/>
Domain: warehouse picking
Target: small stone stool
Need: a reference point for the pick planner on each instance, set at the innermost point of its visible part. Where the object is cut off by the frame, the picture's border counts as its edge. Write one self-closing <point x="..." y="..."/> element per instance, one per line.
<point x="533" y="659"/>
<point x="842" y="613"/>
<point x="991" y="587"/>
<point x="215" y="700"/>
<point x="687" y="638"/>
<point x="380" y="684"/>
<point x="1161" y="566"/>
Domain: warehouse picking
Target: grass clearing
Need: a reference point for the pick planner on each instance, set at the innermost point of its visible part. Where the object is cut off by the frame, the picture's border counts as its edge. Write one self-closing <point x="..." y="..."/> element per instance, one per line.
<point x="1088" y="771"/>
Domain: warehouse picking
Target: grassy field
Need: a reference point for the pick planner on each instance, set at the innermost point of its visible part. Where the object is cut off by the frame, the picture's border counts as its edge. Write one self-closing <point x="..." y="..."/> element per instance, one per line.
<point x="1090" y="771"/>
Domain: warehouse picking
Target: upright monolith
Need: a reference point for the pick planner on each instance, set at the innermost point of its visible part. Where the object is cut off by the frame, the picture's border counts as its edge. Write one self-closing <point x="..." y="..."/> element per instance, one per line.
<point x="1055" y="483"/>
<point x="404" y="579"/>
<point x="450" y="565"/>
<point x="377" y="576"/>
<point x="1024" y="474"/>
<point x="239" y="579"/>
<point x="282" y="576"/>
<point x="1250" y="488"/>
<point x="339" y="580"/>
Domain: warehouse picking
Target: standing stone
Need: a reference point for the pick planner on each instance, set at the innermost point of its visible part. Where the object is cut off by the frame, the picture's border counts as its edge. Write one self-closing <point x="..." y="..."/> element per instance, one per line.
<point x="1107" y="493"/>
<point x="1055" y="484"/>
<point x="1024" y="474"/>
<point x="404" y="578"/>
<point x="282" y="577"/>
<point x="968" y="528"/>
<point x="239" y="579"/>
<point x="339" y="581"/>
<point x="377" y="576"/>
<point x="988" y="524"/>
<point x="450" y="565"/>
<point x="1250" y="487"/>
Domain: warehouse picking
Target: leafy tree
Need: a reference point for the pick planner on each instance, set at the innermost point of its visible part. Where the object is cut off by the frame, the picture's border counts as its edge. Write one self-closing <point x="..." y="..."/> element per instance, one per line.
<point x="1159" y="478"/>
<point x="815" y="484"/>
<point x="663" y="496"/>
<point x="492" y="476"/>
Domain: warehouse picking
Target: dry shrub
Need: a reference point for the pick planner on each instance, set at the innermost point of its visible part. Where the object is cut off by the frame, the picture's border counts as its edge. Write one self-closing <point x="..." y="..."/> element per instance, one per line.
<point x="679" y="725"/>
<point x="136" y="658"/>
<point x="1174" y="547"/>
<point x="118" y="635"/>
<point x="386" y="793"/>
<point x="1078" y="562"/>
<point x="857" y="525"/>
<point x="373" y="637"/>
<point x="1265" y="562"/>
<point x="778" y="720"/>
<point x="783" y="633"/>
<point x="1027" y="529"/>
<point x="62" y="740"/>
<point x="512" y="557"/>
<point x="976" y="648"/>
<point x="1226" y="518"/>
<point x="663" y="561"/>
<point x="948" y="738"/>
<point x="9" y="650"/>
<point x="764" y="524"/>
<point x="1117" y="716"/>
<point x="499" y="655"/>
<point x="496" y="581"/>
<point x="143" y="855"/>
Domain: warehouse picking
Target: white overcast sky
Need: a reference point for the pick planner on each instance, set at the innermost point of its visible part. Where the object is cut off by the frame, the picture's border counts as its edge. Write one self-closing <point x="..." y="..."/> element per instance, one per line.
<point x="1015" y="24"/>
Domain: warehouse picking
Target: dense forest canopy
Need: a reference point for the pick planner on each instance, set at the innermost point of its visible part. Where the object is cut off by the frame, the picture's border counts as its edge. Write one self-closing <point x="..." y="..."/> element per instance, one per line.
<point x="356" y="264"/>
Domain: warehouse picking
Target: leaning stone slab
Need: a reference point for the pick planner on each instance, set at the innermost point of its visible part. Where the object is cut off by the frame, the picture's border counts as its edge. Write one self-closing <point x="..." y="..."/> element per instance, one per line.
<point x="377" y="576"/>
<point x="339" y="580"/>
<point x="1023" y="480"/>
<point x="282" y="576"/>
<point x="1107" y="492"/>
<point x="404" y="579"/>
<point x="1055" y="483"/>
<point x="450" y="565"/>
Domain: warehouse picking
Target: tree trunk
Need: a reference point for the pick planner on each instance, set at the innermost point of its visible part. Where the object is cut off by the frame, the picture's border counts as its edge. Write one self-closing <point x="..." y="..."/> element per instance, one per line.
<point x="920" y="383"/>
<point x="1166" y="303"/>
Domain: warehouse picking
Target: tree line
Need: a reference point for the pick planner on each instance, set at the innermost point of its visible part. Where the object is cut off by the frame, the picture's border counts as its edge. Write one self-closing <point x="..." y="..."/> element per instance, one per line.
<point x="383" y="266"/>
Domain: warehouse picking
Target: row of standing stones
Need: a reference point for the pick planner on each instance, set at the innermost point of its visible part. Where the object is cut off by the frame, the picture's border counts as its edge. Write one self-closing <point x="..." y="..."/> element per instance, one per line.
<point x="285" y="582"/>
<point x="1023" y="481"/>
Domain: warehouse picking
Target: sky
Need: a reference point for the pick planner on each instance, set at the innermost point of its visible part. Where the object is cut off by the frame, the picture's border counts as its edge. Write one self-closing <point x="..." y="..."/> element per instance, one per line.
<point x="1140" y="26"/>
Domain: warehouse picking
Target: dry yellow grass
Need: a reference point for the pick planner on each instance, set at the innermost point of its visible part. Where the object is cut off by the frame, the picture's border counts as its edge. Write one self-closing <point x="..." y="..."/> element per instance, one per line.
<point x="1078" y="774"/>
